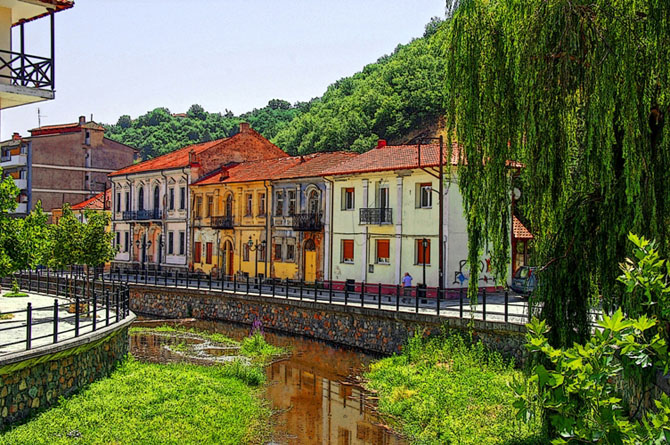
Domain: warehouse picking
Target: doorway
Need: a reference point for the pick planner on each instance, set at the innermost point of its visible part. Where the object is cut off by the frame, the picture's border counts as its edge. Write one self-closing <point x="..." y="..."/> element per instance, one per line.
<point x="309" y="260"/>
<point x="227" y="266"/>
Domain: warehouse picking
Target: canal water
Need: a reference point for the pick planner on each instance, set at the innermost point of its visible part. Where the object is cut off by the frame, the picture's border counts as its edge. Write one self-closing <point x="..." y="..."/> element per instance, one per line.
<point x="310" y="391"/>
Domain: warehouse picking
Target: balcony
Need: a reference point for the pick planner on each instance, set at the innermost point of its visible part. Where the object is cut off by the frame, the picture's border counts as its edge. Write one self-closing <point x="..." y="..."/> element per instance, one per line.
<point x="222" y="222"/>
<point x="376" y="216"/>
<point x="142" y="215"/>
<point x="22" y="208"/>
<point x="22" y="184"/>
<point x="13" y="161"/>
<point x="282" y="221"/>
<point x="307" y="222"/>
<point x="25" y="78"/>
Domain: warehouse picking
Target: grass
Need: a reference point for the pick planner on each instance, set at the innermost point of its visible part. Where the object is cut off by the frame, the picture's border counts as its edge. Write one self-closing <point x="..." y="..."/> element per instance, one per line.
<point x="15" y="294"/>
<point x="144" y="403"/>
<point x="255" y="347"/>
<point x="6" y="316"/>
<point x="211" y="336"/>
<point x="446" y="390"/>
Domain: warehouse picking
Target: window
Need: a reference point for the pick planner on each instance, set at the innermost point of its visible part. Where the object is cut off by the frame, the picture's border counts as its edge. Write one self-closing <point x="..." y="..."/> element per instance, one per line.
<point x="425" y="195"/>
<point x="422" y="253"/>
<point x="261" y="204"/>
<point x="290" y="252"/>
<point x="210" y="205"/>
<point x="118" y="202"/>
<point x="208" y="254"/>
<point x="277" y="252"/>
<point x="347" y="251"/>
<point x="171" y="198"/>
<point x="229" y="205"/>
<point x="157" y="198"/>
<point x="127" y="201"/>
<point x="126" y="241"/>
<point x="87" y="138"/>
<point x="198" y="206"/>
<point x="279" y="206"/>
<point x="182" y="242"/>
<point x="250" y="205"/>
<point x="197" y="256"/>
<point x="182" y="198"/>
<point x="118" y="239"/>
<point x="291" y="203"/>
<point x="261" y="254"/>
<point x="245" y="252"/>
<point x="383" y="251"/>
<point x="140" y="199"/>
<point x="348" y="198"/>
<point x="313" y="202"/>
<point x="170" y="243"/>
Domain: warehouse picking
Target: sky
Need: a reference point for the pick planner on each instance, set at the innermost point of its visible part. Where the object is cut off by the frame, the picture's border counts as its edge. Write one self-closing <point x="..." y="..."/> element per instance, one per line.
<point x="116" y="57"/>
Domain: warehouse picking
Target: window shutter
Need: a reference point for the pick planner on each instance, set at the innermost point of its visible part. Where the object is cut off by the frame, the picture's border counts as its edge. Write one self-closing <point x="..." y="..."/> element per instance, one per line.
<point x="383" y="248"/>
<point x="419" y="252"/>
<point x="198" y="252"/>
<point x="209" y="253"/>
<point x="348" y="249"/>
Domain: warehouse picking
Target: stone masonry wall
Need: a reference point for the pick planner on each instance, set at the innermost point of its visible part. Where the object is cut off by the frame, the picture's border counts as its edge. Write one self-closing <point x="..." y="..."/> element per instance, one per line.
<point x="35" y="387"/>
<point x="372" y="330"/>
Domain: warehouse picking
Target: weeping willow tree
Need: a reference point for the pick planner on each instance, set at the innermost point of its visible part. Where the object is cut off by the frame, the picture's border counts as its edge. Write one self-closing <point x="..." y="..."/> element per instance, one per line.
<point x="576" y="91"/>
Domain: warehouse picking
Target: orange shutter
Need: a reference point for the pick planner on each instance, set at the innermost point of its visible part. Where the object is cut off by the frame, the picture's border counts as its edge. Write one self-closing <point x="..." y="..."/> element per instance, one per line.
<point x="209" y="253"/>
<point x="198" y="252"/>
<point x="348" y="250"/>
<point x="383" y="248"/>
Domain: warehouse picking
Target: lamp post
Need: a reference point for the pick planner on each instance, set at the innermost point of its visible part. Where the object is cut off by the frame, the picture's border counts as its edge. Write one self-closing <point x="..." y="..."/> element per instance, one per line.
<point x="161" y="243"/>
<point x="441" y="205"/>
<point x="145" y="245"/>
<point x="258" y="247"/>
<point x="424" y="245"/>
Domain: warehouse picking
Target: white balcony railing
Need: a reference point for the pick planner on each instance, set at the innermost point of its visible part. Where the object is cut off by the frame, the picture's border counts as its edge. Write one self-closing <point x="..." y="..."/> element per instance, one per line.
<point x="13" y="161"/>
<point x="22" y="184"/>
<point x="22" y="208"/>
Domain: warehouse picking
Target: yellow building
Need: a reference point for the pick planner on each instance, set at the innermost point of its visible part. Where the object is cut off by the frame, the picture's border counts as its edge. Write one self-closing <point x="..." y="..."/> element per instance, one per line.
<point x="229" y="217"/>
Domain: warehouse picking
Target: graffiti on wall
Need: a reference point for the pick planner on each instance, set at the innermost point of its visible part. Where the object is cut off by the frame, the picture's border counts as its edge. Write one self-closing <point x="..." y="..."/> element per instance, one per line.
<point x="462" y="274"/>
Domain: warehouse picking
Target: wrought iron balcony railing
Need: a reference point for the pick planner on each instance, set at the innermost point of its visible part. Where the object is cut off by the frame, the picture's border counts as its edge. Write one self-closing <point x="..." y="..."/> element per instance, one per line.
<point x="26" y="70"/>
<point x="307" y="222"/>
<point x="142" y="215"/>
<point x="376" y="216"/>
<point x="222" y="222"/>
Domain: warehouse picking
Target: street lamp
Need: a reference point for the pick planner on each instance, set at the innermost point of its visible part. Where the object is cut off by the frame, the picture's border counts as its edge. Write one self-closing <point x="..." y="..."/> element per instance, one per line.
<point x="145" y="245"/>
<point x="161" y="243"/>
<point x="258" y="247"/>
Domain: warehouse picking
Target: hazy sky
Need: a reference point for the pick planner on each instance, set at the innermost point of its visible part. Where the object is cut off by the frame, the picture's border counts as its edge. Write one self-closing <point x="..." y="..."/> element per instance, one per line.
<point x="117" y="57"/>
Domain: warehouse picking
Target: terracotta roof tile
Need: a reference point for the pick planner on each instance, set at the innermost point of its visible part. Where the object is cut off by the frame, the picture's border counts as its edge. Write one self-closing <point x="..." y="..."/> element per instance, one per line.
<point x="56" y="5"/>
<point x="265" y="169"/>
<point x="393" y="157"/>
<point x="94" y="203"/>
<point x="519" y="231"/>
<point x="175" y="159"/>
<point x="316" y="164"/>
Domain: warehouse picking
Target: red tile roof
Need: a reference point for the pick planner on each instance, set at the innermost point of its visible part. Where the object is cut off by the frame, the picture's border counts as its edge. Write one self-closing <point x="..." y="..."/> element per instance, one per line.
<point x="53" y="129"/>
<point x="519" y="231"/>
<point x="316" y="164"/>
<point x="394" y="157"/>
<point x="96" y="202"/>
<point x="264" y="169"/>
<point x="175" y="159"/>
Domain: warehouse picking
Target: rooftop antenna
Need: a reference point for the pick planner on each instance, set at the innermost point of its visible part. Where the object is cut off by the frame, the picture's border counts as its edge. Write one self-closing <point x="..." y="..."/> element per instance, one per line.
<point x="39" y="118"/>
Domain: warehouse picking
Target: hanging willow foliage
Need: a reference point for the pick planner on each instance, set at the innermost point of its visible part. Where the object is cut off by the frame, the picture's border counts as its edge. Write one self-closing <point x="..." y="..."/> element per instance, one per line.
<point x="577" y="91"/>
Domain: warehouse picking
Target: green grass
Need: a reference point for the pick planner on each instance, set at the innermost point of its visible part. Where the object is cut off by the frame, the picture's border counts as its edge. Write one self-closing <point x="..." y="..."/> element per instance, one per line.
<point x="143" y="403"/>
<point x="444" y="390"/>
<point x="6" y="316"/>
<point x="15" y="294"/>
<point x="211" y="336"/>
<point x="255" y="347"/>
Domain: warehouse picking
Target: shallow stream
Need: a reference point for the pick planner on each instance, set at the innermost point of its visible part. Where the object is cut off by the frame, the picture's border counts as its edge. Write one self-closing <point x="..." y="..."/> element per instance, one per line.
<point x="310" y="390"/>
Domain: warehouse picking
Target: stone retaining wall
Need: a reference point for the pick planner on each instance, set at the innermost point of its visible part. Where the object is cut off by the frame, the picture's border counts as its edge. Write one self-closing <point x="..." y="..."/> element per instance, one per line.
<point x="33" y="380"/>
<point x="369" y="329"/>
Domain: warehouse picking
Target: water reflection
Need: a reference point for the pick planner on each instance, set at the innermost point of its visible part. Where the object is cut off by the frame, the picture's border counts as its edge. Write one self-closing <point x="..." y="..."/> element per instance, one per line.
<point x="308" y="390"/>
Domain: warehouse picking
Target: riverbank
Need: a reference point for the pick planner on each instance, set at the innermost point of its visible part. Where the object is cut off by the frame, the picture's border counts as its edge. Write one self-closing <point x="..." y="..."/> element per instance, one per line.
<point x="167" y="403"/>
<point x="445" y="390"/>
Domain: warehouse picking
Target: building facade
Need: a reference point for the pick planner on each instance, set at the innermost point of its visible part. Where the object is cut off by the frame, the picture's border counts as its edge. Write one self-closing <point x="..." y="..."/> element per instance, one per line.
<point x="152" y="205"/>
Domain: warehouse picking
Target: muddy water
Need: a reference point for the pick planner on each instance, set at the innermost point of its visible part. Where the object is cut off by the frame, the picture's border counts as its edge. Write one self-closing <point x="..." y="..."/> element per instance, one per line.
<point x="308" y="390"/>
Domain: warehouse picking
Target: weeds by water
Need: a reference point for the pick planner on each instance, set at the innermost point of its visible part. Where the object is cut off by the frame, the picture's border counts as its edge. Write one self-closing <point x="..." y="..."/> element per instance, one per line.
<point x="157" y="404"/>
<point x="211" y="336"/>
<point x="447" y="390"/>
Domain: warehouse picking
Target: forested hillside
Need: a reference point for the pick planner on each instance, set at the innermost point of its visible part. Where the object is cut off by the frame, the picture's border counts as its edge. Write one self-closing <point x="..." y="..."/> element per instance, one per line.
<point x="393" y="98"/>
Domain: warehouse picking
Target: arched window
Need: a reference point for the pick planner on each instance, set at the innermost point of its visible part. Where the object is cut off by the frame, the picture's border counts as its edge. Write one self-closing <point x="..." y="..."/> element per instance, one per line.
<point x="140" y="199"/>
<point x="313" y="202"/>
<point x="157" y="201"/>
<point x="229" y="205"/>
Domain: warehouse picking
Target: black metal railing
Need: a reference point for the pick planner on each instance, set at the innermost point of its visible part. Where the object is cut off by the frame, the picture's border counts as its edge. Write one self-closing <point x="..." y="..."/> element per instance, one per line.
<point x="142" y="215"/>
<point x="81" y="305"/>
<point x="222" y="222"/>
<point x="376" y="216"/>
<point x="26" y="70"/>
<point x="308" y="222"/>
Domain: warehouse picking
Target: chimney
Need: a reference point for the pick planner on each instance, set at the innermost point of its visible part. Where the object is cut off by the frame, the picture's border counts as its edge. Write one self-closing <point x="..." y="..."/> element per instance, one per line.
<point x="244" y="127"/>
<point x="381" y="143"/>
<point x="224" y="173"/>
<point x="302" y="159"/>
<point x="82" y="120"/>
<point x="16" y="137"/>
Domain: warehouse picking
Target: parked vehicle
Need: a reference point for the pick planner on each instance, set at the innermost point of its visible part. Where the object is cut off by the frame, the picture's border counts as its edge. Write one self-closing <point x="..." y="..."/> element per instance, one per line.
<point x="524" y="280"/>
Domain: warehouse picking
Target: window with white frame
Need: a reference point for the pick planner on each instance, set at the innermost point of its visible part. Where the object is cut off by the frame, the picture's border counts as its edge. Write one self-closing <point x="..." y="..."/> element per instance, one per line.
<point x="279" y="203"/>
<point x="348" y="198"/>
<point x="291" y="203"/>
<point x="425" y="195"/>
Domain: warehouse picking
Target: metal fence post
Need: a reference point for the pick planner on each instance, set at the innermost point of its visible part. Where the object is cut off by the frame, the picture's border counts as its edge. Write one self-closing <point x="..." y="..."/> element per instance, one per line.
<point x="397" y="297"/>
<point x="274" y="285"/>
<point x="39" y="290"/>
<point x="330" y="292"/>
<point x="58" y="285"/>
<point x="210" y="280"/>
<point x="55" y="321"/>
<point x="76" y="316"/>
<point x="379" y="295"/>
<point x="117" y="307"/>
<point x="460" y="303"/>
<point x="346" y="293"/>
<point x="29" y="325"/>
<point x="286" y="287"/>
<point x="107" y="306"/>
<point x="301" y="284"/>
<point x="506" y="306"/>
<point x="316" y="290"/>
<point x="30" y="280"/>
<point x="176" y="278"/>
<point x="440" y="292"/>
<point x="146" y="276"/>
<point x="95" y="310"/>
<point x="247" y="284"/>
<point x="235" y="283"/>
<point x="260" y="287"/>
<point x="416" y="298"/>
<point x="484" y="304"/>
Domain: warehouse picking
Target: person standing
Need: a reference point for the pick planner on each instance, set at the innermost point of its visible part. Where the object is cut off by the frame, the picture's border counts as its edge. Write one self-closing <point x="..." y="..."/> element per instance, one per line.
<point x="407" y="284"/>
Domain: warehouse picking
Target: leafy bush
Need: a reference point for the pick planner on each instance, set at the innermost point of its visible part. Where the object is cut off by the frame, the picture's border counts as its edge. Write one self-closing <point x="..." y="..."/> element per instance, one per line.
<point x="256" y="346"/>
<point x="447" y="390"/>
